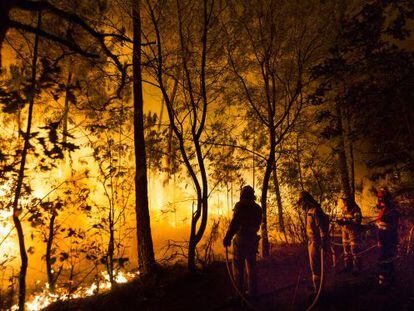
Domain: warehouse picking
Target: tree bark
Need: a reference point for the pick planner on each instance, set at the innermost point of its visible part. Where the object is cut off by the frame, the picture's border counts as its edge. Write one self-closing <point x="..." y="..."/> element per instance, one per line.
<point x="351" y="163"/>
<point x="50" y="276"/>
<point x="197" y="126"/>
<point x="5" y="7"/>
<point x="279" y="201"/>
<point x="342" y="158"/>
<point x="265" y="187"/>
<point x="299" y="163"/>
<point x="146" y="259"/>
<point x="111" y="248"/>
<point x="202" y="212"/>
<point x="19" y="185"/>
<point x="65" y="117"/>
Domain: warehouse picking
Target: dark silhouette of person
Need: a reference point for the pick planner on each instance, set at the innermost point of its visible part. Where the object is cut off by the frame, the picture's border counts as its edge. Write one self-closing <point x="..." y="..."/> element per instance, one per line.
<point x="317" y="231"/>
<point x="350" y="223"/>
<point x="247" y="217"/>
<point x="387" y="223"/>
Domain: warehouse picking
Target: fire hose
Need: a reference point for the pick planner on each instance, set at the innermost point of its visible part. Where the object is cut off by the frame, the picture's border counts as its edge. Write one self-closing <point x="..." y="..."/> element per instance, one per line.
<point x="236" y="288"/>
<point x="322" y="279"/>
<point x="318" y="294"/>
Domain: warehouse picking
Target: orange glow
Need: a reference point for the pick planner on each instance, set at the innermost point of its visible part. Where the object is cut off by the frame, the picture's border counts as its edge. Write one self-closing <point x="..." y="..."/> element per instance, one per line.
<point x="46" y="296"/>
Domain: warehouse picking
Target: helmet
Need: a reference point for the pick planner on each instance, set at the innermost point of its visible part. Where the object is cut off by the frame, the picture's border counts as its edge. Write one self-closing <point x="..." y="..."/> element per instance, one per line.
<point x="306" y="197"/>
<point x="383" y="192"/>
<point x="247" y="193"/>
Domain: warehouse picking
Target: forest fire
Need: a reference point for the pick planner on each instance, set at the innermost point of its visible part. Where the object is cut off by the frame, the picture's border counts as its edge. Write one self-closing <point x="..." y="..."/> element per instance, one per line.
<point x="46" y="297"/>
<point x="190" y="140"/>
<point x="7" y="247"/>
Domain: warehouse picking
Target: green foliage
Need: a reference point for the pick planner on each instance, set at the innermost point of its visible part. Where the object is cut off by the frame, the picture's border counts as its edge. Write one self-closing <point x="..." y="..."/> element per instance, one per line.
<point x="370" y="74"/>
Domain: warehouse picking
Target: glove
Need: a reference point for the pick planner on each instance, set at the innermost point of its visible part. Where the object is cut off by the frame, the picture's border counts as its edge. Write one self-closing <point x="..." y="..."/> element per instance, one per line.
<point x="324" y="244"/>
<point x="227" y="241"/>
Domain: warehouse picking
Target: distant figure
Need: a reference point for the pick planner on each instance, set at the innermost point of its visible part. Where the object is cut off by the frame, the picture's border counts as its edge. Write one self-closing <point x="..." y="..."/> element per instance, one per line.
<point x="317" y="231"/>
<point x="387" y="223"/>
<point x="247" y="217"/>
<point x="350" y="223"/>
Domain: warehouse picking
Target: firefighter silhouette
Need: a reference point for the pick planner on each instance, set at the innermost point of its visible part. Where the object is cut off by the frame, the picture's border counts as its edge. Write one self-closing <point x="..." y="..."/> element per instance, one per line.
<point x="387" y="223"/>
<point x="247" y="217"/>
<point x="317" y="231"/>
<point x="350" y="223"/>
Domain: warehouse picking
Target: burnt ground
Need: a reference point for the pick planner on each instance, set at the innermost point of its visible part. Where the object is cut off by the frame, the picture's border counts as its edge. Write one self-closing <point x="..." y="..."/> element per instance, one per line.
<point x="280" y="277"/>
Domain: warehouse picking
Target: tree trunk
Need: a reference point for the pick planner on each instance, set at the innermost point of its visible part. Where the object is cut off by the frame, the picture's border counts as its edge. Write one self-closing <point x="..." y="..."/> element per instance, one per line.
<point x="351" y="163"/>
<point x="342" y="158"/>
<point x="201" y="187"/>
<point x="265" y="187"/>
<point x="279" y="201"/>
<point x="253" y="157"/>
<point x="50" y="276"/>
<point x="2" y="33"/>
<point x="201" y="212"/>
<point x="5" y="7"/>
<point x="16" y="208"/>
<point x="195" y="215"/>
<point x="111" y="251"/>
<point x="299" y="163"/>
<point x="191" y="252"/>
<point x="146" y="259"/>
<point x="65" y="117"/>
<point x="170" y="157"/>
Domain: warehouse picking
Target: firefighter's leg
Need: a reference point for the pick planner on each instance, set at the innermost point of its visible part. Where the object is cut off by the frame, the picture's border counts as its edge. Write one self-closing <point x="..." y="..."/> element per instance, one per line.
<point x="388" y="249"/>
<point x="251" y="275"/>
<point x="347" y="249"/>
<point x="381" y="264"/>
<point x="314" y="261"/>
<point x="389" y="264"/>
<point x="392" y="266"/>
<point x="354" y="241"/>
<point x="386" y="266"/>
<point x="384" y="269"/>
<point x="238" y="269"/>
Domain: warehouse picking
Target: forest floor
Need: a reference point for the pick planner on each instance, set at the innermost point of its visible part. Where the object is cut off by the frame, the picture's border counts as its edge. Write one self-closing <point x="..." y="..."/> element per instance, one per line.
<point x="284" y="284"/>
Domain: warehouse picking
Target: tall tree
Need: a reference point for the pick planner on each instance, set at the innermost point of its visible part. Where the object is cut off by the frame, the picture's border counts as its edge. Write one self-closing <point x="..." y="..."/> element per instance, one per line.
<point x="20" y="177"/>
<point x="361" y="76"/>
<point x="187" y="101"/>
<point x="146" y="258"/>
<point x="271" y="48"/>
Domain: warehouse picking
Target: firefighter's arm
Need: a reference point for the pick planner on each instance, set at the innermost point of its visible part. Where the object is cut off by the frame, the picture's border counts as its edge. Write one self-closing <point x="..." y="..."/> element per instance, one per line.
<point x="234" y="226"/>
<point x="323" y="227"/>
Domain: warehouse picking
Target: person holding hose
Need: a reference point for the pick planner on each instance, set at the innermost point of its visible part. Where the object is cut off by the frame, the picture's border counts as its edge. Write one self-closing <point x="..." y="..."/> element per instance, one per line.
<point x="317" y="231"/>
<point x="350" y="223"/>
<point x="387" y="223"/>
<point x="246" y="221"/>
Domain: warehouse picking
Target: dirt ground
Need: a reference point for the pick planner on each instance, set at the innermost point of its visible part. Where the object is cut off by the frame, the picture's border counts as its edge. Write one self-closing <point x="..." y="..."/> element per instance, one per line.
<point x="284" y="284"/>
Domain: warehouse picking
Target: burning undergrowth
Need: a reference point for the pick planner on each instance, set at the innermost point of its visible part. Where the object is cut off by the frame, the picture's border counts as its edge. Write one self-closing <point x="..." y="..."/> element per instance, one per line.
<point x="46" y="297"/>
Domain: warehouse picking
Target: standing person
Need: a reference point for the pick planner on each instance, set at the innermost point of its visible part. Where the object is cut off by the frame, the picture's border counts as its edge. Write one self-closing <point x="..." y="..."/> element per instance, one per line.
<point x="387" y="223"/>
<point x="245" y="224"/>
<point x="317" y="231"/>
<point x="351" y="234"/>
